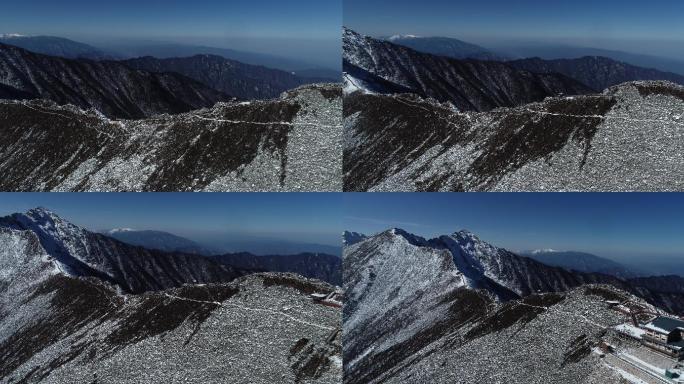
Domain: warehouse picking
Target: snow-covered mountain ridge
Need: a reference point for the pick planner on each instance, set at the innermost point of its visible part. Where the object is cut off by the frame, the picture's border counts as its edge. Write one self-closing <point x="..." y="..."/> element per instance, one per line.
<point x="408" y="143"/>
<point x="287" y="144"/>
<point x="77" y="252"/>
<point x="436" y="310"/>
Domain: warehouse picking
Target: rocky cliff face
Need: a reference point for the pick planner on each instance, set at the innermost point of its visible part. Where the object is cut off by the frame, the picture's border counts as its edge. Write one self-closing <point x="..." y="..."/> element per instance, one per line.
<point x="469" y="85"/>
<point x="288" y="144"/>
<point x="407" y="143"/>
<point x="110" y="87"/>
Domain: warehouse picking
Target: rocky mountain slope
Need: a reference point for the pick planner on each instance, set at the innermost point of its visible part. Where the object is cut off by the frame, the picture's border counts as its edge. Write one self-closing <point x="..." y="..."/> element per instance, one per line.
<point x="110" y="87"/>
<point x="77" y="252"/>
<point x="287" y="144"/>
<point x="629" y="138"/>
<point x="319" y="266"/>
<point x="60" y="326"/>
<point x="579" y="261"/>
<point x="55" y="46"/>
<point x="435" y="310"/>
<point x="595" y="72"/>
<point x="470" y="85"/>
<point x="231" y="77"/>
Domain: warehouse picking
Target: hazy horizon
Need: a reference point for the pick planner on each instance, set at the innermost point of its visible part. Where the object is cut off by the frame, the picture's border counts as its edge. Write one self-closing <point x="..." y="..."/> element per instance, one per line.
<point x="656" y="28"/>
<point x="602" y="224"/>
<point x="303" y="30"/>
<point x="306" y="218"/>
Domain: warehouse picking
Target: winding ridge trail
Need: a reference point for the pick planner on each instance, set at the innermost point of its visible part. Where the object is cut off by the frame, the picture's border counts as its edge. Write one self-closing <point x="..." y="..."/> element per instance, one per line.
<point x="277" y="313"/>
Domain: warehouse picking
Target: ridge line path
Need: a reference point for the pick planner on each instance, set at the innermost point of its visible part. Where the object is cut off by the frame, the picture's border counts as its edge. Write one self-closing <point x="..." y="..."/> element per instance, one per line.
<point x="108" y="134"/>
<point x="254" y="310"/>
<point x="262" y="123"/>
<point x="513" y="111"/>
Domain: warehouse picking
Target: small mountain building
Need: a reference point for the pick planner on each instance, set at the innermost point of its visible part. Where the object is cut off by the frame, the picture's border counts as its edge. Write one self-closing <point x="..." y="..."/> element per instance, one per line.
<point x="664" y="334"/>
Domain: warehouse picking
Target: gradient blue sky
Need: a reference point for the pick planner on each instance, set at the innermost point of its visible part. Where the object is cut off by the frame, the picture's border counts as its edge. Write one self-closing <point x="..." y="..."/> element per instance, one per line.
<point x="616" y="225"/>
<point x="302" y="27"/>
<point x="300" y="217"/>
<point x="653" y="27"/>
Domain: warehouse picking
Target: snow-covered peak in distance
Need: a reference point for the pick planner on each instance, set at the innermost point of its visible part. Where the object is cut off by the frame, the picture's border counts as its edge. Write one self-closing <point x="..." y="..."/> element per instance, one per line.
<point x="120" y="230"/>
<point x="538" y="251"/>
<point x="11" y="35"/>
<point x="400" y="37"/>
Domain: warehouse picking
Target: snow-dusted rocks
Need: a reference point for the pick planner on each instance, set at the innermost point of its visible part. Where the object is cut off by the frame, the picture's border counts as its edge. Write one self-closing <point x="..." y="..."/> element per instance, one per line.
<point x="629" y="138"/>
<point x="257" y="329"/>
<point x="456" y="309"/>
<point x="77" y="252"/>
<point x="289" y="144"/>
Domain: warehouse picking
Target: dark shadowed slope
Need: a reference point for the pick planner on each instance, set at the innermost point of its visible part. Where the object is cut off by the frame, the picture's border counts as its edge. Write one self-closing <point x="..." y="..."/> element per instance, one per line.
<point x="231" y="77"/>
<point x="595" y="72"/>
<point x="112" y="88"/>
<point x="319" y="266"/>
<point x="470" y="85"/>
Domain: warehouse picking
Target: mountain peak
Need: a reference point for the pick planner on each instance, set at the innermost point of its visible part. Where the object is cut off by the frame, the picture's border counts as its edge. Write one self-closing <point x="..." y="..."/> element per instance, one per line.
<point x="351" y="238"/>
<point x="466" y="235"/>
<point x="399" y="37"/>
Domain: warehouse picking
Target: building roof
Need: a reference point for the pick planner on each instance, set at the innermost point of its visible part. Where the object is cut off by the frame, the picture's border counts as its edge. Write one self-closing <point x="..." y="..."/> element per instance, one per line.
<point x="665" y="324"/>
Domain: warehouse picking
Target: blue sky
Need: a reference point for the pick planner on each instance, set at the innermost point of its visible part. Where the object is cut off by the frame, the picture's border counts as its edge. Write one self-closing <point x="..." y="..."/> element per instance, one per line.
<point x="654" y="27"/>
<point x="302" y="27"/>
<point x="301" y="217"/>
<point x="616" y="225"/>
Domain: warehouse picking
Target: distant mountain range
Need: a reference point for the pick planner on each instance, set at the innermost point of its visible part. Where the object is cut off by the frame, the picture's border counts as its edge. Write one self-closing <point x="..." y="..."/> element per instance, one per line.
<point x="228" y="76"/>
<point x="445" y="46"/>
<point x="555" y="52"/>
<point x="595" y="72"/>
<point x="111" y="87"/>
<point x="56" y="46"/>
<point x="579" y="261"/>
<point x="70" y="49"/>
<point x="153" y="260"/>
<point x="321" y="266"/>
<point x="470" y="85"/>
<point x="160" y="240"/>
